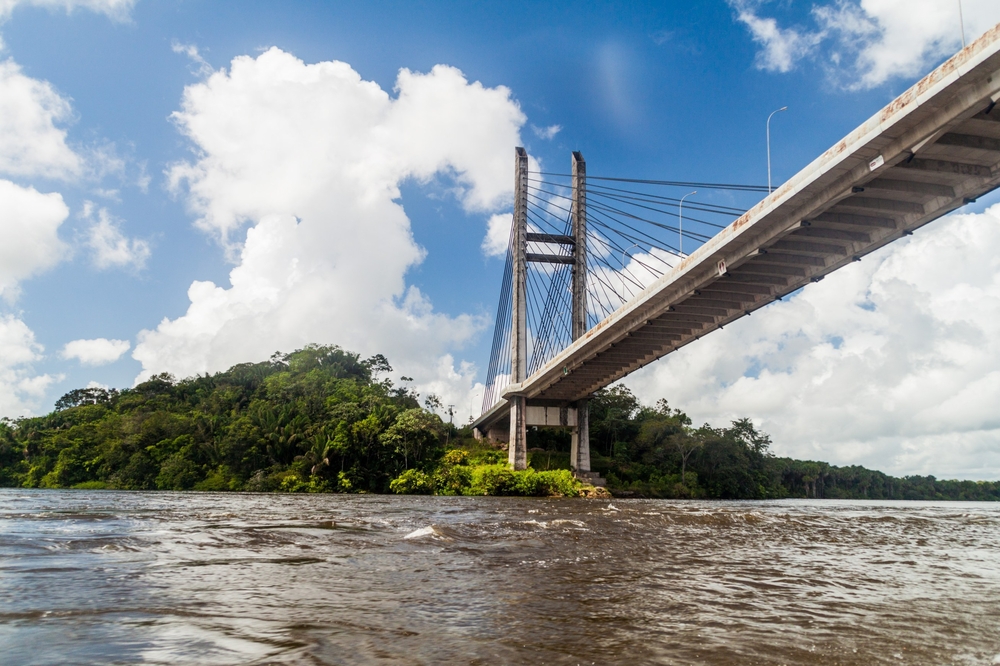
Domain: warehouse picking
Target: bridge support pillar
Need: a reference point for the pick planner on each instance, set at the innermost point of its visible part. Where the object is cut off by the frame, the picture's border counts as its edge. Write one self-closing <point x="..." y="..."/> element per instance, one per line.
<point x="517" y="445"/>
<point x="579" y="457"/>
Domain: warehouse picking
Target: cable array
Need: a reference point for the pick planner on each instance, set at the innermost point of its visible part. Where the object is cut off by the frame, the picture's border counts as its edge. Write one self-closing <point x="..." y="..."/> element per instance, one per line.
<point x="636" y="231"/>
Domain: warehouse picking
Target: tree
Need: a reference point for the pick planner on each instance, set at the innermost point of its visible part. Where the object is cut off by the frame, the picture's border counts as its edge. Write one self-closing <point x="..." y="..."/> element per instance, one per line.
<point x="86" y="396"/>
<point x="377" y="365"/>
<point x="686" y="442"/>
<point x="414" y="429"/>
<point x="432" y="403"/>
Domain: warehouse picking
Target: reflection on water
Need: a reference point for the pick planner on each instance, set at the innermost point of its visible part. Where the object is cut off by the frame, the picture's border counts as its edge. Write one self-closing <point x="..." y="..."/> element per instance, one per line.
<point x="174" y="578"/>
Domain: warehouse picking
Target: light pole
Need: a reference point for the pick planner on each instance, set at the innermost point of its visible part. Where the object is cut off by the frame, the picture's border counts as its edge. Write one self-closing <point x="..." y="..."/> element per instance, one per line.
<point x="623" y="269"/>
<point x="784" y="108"/>
<point x="961" y="22"/>
<point x="680" y="222"/>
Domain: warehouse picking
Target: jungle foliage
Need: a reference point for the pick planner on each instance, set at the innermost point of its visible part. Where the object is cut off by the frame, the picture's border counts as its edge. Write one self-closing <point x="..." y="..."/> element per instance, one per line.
<point x="317" y="420"/>
<point x="320" y="419"/>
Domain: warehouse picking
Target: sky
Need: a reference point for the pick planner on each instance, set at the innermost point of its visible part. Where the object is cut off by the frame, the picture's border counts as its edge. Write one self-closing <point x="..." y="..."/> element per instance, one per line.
<point x="188" y="185"/>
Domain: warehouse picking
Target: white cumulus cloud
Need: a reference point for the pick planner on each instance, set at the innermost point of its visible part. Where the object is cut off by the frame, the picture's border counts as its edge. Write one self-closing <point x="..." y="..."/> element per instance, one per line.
<point x="21" y="389"/>
<point x="29" y="240"/>
<point x="98" y="351"/>
<point x="893" y="362"/>
<point x="31" y="141"/>
<point x="311" y="156"/>
<point x="108" y="245"/>
<point x="864" y="43"/>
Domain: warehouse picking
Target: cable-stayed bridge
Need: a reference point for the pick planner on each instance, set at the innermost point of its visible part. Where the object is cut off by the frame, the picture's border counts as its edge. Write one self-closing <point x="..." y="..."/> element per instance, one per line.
<point x="598" y="282"/>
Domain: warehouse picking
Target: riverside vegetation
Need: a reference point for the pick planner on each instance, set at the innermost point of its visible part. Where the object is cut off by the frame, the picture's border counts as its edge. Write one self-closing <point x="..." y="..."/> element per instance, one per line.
<point x="320" y="419"/>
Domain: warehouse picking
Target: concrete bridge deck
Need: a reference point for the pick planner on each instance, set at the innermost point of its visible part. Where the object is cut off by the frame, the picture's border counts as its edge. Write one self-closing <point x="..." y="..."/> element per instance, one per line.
<point x="932" y="150"/>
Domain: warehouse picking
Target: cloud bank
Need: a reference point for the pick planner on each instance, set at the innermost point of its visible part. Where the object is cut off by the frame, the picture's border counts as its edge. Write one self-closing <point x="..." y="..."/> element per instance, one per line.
<point x="893" y="362"/>
<point x="311" y="157"/>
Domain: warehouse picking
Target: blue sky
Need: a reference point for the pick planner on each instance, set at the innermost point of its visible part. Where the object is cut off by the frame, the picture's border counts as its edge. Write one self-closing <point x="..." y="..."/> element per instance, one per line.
<point x="676" y="91"/>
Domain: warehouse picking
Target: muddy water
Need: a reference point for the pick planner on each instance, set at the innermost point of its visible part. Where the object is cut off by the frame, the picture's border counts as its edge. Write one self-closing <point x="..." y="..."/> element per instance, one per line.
<point x="172" y="578"/>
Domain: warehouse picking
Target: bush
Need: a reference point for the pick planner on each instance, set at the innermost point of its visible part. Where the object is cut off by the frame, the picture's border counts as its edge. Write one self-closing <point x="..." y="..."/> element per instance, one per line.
<point x="558" y="482"/>
<point x="501" y="480"/>
<point x="412" y="482"/>
<point x="492" y="480"/>
<point x="455" y="457"/>
<point x="91" y="485"/>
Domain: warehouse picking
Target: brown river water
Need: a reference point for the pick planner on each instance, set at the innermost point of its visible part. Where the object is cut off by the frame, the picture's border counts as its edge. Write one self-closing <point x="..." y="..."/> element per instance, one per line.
<point x="92" y="577"/>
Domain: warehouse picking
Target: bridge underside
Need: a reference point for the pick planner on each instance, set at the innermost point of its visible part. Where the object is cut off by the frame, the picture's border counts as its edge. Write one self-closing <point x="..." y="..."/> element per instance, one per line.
<point x="934" y="149"/>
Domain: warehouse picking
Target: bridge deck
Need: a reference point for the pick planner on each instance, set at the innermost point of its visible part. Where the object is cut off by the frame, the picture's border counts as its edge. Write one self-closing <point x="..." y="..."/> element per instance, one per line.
<point x="927" y="153"/>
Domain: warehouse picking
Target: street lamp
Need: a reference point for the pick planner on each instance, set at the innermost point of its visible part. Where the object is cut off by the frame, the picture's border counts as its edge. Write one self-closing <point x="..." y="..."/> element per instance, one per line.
<point x="961" y="22"/>
<point x="623" y="269"/>
<point x="784" y="108"/>
<point x="680" y="222"/>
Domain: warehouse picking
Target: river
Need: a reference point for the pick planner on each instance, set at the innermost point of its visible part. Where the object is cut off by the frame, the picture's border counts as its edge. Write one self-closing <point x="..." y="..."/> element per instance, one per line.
<point x="99" y="577"/>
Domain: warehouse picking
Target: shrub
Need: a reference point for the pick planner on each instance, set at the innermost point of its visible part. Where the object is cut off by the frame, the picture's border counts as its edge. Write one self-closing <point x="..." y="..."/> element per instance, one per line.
<point x="91" y="485"/>
<point x="558" y="482"/>
<point x="453" y="480"/>
<point x="455" y="457"/>
<point x="412" y="482"/>
<point x="501" y="480"/>
<point x="492" y="480"/>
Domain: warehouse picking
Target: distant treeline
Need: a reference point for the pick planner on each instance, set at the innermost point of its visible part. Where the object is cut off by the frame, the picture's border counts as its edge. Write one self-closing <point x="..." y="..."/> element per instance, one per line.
<point x="322" y="420"/>
<point x="646" y="450"/>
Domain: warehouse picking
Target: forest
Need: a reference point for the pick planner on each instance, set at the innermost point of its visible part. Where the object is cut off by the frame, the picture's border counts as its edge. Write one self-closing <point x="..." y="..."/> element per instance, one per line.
<point x="321" y="419"/>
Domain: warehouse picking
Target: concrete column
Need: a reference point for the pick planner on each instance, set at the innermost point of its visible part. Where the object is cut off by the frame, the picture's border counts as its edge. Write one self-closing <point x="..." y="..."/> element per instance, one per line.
<point x="579" y="457"/>
<point x="519" y="323"/>
<point x="517" y="445"/>
<point x="579" y="231"/>
<point x="580" y="452"/>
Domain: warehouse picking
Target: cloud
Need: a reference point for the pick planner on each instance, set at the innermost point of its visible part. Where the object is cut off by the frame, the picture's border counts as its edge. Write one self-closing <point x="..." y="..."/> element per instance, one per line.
<point x="31" y="144"/>
<point x="546" y="133"/>
<point x="893" y="362"/>
<point x="115" y="9"/>
<point x="311" y="157"/>
<point x="869" y="42"/>
<point x="98" y="351"/>
<point x="497" y="235"/>
<point x="109" y="247"/>
<point x="20" y="388"/>
<point x="200" y="66"/>
<point x="781" y="48"/>
<point x="29" y="240"/>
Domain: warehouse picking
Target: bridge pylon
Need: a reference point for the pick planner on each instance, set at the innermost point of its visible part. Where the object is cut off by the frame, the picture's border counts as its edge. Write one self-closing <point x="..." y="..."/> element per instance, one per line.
<point x="580" y="450"/>
<point x="517" y="445"/>
<point x="574" y="416"/>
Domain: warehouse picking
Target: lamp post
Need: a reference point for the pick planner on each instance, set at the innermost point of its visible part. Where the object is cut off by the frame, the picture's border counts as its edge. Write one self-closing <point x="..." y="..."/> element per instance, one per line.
<point x="784" y="108"/>
<point x="680" y="222"/>
<point x="961" y="22"/>
<point x="623" y="269"/>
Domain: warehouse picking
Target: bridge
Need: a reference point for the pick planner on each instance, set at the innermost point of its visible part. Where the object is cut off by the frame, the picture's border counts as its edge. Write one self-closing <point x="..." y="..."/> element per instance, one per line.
<point x="577" y="312"/>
